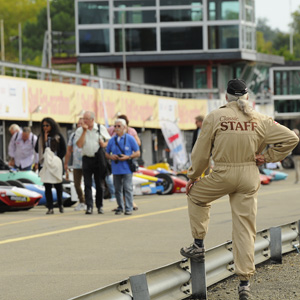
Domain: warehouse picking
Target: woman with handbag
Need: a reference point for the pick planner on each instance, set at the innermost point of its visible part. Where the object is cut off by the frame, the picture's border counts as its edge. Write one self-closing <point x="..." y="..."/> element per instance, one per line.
<point x="51" y="148"/>
<point x="121" y="149"/>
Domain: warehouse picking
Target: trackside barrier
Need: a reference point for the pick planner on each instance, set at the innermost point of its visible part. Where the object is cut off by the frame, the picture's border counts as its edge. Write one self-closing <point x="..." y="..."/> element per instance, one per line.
<point x="27" y="71"/>
<point x="186" y="278"/>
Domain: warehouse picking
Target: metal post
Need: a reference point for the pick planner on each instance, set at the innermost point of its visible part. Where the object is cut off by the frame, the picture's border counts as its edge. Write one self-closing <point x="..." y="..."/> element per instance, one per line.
<point x="20" y="48"/>
<point x="299" y="231"/>
<point x="291" y="31"/>
<point x="49" y="36"/>
<point x="20" y="43"/>
<point x="275" y="245"/>
<point x="124" y="46"/>
<point x="2" y="44"/>
<point x="139" y="287"/>
<point x="199" y="290"/>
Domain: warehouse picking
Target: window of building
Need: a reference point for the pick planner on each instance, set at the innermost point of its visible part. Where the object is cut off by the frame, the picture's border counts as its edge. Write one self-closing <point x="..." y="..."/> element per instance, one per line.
<point x="223" y="37"/>
<point x="287" y="82"/>
<point x="215" y="77"/>
<point x="223" y="9"/>
<point x="200" y="77"/>
<point x="176" y="15"/>
<point x="135" y="17"/>
<point x="137" y="39"/>
<point x="181" y="38"/>
<point x="93" y="40"/>
<point x="134" y="3"/>
<point x="93" y="12"/>
<point x="179" y="2"/>
<point x="287" y="106"/>
<point x="249" y="37"/>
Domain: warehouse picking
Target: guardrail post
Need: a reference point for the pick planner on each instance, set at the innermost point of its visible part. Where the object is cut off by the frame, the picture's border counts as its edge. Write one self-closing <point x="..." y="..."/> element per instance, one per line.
<point x="198" y="280"/>
<point x="139" y="287"/>
<point x="299" y="231"/>
<point x="275" y="245"/>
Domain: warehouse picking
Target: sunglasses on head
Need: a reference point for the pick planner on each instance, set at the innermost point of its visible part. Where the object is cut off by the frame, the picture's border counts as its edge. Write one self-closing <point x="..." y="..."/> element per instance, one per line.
<point x="118" y="126"/>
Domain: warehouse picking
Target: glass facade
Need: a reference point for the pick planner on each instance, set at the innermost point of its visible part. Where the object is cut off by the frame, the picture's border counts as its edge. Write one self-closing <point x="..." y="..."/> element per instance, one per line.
<point x="287" y="82"/>
<point x="181" y="38"/>
<point x="94" y="40"/>
<point x="223" y="9"/>
<point x="137" y="39"/>
<point x="135" y="17"/>
<point x="179" y="2"/>
<point x="223" y="37"/>
<point x="158" y="26"/>
<point x="181" y="15"/>
<point x="134" y="3"/>
<point x="93" y="12"/>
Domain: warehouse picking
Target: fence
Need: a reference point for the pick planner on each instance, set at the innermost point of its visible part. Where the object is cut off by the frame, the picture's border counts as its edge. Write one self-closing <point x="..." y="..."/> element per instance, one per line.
<point x="19" y="70"/>
<point x="184" y="278"/>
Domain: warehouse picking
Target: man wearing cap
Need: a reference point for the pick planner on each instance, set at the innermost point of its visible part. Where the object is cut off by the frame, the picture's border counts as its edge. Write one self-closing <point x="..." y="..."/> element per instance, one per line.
<point x="235" y="136"/>
<point x="121" y="149"/>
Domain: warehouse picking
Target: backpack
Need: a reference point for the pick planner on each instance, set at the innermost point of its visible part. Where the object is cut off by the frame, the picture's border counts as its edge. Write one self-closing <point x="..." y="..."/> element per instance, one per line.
<point x="32" y="138"/>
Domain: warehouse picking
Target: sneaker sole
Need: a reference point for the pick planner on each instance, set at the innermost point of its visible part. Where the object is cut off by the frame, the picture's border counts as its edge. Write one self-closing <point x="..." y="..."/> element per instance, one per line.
<point x="196" y="259"/>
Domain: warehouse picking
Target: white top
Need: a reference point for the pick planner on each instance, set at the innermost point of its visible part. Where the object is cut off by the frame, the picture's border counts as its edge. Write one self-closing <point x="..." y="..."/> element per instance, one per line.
<point x="22" y="151"/>
<point x="92" y="138"/>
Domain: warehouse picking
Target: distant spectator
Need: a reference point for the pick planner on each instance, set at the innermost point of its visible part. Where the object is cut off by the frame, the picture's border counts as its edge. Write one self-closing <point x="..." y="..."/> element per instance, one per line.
<point x="130" y="130"/>
<point x="13" y="129"/>
<point x="77" y="166"/>
<point x="198" y="122"/>
<point x="120" y="149"/>
<point x="51" y="138"/>
<point x="90" y="137"/>
<point x="22" y="150"/>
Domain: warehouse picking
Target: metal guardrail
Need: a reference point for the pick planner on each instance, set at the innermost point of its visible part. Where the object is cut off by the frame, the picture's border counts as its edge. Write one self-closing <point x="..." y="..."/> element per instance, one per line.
<point x="20" y="70"/>
<point x="184" y="278"/>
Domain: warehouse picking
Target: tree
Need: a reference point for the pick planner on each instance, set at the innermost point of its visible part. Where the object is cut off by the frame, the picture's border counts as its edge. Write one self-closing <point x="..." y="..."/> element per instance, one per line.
<point x="12" y="13"/>
<point x="274" y="42"/>
<point x="62" y="19"/>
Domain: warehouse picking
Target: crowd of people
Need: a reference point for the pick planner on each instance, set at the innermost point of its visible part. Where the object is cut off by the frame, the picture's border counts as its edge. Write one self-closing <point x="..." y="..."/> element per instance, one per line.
<point x="95" y="158"/>
<point x="102" y="155"/>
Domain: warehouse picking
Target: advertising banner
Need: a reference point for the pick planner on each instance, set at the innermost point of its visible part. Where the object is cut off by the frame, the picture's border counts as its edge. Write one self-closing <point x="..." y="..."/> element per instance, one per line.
<point x="13" y="99"/>
<point x="64" y="102"/>
<point x="168" y="122"/>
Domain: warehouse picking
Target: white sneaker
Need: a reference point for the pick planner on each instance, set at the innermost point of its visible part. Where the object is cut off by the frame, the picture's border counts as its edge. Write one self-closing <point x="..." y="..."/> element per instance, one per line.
<point x="112" y="199"/>
<point x="80" y="206"/>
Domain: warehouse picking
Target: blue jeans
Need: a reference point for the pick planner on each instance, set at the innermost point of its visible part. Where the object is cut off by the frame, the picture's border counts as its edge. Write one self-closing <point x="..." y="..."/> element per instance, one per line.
<point x="110" y="185"/>
<point x="124" y="182"/>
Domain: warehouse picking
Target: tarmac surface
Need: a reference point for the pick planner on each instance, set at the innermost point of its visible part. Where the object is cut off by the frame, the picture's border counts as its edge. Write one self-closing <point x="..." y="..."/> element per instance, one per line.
<point x="60" y="256"/>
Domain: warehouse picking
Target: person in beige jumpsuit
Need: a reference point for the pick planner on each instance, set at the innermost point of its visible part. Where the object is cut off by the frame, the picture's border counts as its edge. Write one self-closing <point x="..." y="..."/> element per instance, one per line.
<point x="235" y="136"/>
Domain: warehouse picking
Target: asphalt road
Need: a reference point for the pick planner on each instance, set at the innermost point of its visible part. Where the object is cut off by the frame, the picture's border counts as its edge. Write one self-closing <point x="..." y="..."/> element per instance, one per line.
<point x="56" y="257"/>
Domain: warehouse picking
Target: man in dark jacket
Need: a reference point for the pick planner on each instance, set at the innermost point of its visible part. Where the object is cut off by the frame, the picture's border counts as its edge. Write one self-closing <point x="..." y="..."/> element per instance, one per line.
<point x="198" y="122"/>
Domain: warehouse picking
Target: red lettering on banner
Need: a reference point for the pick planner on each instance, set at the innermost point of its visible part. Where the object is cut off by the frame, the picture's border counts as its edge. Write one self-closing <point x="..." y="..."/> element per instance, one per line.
<point x="173" y="137"/>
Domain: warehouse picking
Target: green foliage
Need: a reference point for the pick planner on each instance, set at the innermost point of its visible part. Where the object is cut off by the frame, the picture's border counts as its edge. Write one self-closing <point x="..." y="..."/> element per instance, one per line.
<point x="12" y="13"/>
<point x="33" y="16"/>
<point x="275" y="42"/>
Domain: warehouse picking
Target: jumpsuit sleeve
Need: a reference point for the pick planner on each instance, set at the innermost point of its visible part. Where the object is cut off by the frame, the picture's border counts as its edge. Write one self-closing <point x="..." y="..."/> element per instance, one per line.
<point x="283" y="139"/>
<point x="202" y="149"/>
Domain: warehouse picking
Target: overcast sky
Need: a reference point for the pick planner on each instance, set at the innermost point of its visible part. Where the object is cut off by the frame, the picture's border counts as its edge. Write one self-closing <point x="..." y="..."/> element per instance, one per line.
<point x="277" y="12"/>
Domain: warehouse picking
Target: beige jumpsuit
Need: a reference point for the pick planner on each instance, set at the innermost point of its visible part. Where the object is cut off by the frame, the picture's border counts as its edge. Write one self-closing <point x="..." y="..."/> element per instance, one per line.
<point x="233" y="140"/>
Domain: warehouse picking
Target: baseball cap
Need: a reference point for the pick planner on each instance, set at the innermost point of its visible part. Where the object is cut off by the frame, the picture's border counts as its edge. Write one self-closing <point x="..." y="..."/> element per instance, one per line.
<point x="237" y="87"/>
